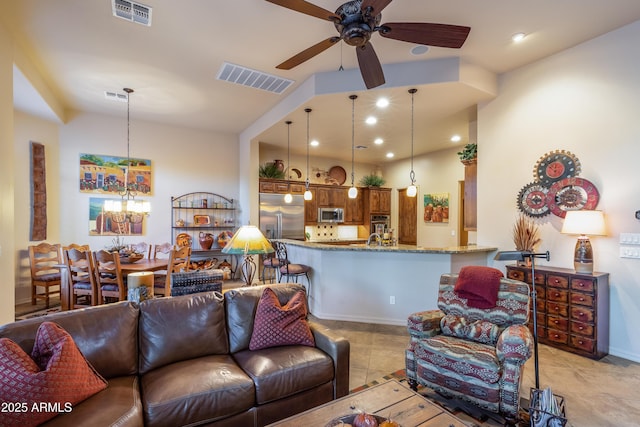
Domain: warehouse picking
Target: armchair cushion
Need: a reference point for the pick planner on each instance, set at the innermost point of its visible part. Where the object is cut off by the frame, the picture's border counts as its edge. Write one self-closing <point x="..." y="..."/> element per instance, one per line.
<point x="479" y="330"/>
<point x="464" y="358"/>
<point x="515" y="343"/>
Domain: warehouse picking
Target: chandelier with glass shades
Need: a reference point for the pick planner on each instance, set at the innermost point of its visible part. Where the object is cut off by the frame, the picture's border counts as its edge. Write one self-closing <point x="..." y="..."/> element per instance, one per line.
<point x="128" y="209"/>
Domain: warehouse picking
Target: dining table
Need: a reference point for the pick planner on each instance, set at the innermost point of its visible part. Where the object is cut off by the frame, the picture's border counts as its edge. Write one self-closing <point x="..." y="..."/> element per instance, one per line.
<point x="145" y="264"/>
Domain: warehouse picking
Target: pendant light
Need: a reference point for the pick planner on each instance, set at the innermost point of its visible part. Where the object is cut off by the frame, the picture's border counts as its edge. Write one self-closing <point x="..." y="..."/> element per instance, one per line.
<point x="128" y="209"/>
<point x="353" y="191"/>
<point x="307" y="193"/>
<point x="412" y="190"/>
<point x="288" y="198"/>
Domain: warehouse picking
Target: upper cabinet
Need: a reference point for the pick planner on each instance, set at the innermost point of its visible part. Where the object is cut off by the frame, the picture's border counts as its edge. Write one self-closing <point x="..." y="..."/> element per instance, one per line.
<point x="331" y="196"/>
<point x="377" y="201"/>
<point x="281" y="186"/>
<point x="354" y="210"/>
<point x="470" y="195"/>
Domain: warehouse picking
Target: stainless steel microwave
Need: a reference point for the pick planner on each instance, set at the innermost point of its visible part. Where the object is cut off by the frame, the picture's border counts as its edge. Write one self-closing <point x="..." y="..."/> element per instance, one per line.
<point x="330" y="215"/>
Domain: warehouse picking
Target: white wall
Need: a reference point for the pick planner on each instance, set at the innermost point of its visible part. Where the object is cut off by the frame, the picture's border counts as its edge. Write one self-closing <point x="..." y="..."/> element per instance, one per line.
<point x="585" y="100"/>
<point x="27" y="129"/>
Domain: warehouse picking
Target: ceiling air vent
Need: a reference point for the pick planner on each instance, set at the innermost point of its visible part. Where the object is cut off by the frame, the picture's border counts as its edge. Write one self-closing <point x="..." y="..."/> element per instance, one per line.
<point x="256" y="79"/>
<point x="115" y="96"/>
<point x="132" y="11"/>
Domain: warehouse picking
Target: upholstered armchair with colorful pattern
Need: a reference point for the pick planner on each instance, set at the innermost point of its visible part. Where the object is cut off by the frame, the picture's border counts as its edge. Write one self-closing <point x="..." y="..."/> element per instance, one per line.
<point x="471" y="353"/>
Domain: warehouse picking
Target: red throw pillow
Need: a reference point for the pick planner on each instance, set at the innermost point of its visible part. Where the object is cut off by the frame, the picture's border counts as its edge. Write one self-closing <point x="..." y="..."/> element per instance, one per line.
<point x="51" y="381"/>
<point x="275" y="325"/>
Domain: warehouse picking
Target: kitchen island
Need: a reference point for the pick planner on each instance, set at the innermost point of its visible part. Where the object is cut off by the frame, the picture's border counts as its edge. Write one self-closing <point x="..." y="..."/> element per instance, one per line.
<point x="378" y="284"/>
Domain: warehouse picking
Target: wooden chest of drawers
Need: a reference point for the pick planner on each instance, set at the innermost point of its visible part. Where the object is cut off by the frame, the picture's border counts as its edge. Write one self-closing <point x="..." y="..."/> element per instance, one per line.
<point x="573" y="308"/>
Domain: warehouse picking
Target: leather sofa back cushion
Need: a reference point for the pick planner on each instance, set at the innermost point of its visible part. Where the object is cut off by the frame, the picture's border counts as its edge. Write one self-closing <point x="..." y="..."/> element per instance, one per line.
<point x="107" y="335"/>
<point x="241" y="305"/>
<point x="55" y="374"/>
<point x="179" y="328"/>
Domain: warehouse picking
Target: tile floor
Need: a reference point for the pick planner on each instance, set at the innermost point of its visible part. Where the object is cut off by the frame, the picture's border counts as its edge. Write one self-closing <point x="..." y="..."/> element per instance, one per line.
<point x="597" y="393"/>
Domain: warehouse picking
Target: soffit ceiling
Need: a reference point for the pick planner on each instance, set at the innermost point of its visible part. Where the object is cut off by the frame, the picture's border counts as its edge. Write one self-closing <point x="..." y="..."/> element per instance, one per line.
<point x="81" y="50"/>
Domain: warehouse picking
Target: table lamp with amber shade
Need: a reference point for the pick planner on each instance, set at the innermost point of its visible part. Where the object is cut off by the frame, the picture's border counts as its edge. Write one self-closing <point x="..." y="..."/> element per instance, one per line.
<point x="248" y="241"/>
<point x="583" y="223"/>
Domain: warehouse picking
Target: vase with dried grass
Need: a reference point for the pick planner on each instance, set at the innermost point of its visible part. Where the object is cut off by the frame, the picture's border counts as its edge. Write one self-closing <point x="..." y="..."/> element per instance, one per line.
<point x="526" y="235"/>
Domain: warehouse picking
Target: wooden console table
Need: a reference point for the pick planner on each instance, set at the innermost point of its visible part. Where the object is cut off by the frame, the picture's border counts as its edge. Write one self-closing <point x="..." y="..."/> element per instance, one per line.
<point x="406" y="407"/>
<point x="573" y="308"/>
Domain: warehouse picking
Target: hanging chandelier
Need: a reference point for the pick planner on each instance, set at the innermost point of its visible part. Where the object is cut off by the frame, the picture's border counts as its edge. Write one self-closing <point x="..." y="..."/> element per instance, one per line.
<point x="307" y="193"/>
<point x="412" y="190"/>
<point x="353" y="191"/>
<point x="128" y="209"/>
<point x="288" y="198"/>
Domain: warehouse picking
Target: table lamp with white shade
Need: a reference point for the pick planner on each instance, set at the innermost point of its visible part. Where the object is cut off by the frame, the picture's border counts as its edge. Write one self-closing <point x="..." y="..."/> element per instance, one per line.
<point x="248" y="241"/>
<point x="584" y="223"/>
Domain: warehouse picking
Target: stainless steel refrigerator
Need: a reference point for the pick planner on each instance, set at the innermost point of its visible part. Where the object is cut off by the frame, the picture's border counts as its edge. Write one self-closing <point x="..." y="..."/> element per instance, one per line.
<point x="280" y="220"/>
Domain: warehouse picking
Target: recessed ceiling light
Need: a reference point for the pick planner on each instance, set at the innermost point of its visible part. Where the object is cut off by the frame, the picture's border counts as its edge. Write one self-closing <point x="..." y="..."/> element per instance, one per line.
<point x="382" y="103"/>
<point x="518" y="37"/>
<point x="314" y="143"/>
<point x="419" y="50"/>
<point x="371" y="120"/>
<point x="455" y="138"/>
<point x="378" y="141"/>
<point x="390" y="155"/>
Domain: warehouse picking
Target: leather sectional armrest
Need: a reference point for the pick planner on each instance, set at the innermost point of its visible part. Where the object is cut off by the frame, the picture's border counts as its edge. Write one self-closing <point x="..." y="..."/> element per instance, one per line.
<point x="338" y="348"/>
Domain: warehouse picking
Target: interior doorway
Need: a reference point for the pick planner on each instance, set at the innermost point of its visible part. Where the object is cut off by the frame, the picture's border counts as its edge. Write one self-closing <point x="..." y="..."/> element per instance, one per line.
<point x="407" y="218"/>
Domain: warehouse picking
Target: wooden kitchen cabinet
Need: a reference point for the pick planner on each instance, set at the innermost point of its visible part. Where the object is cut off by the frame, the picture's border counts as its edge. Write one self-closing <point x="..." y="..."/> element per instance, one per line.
<point x="281" y="186"/>
<point x="331" y="196"/>
<point x="573" y="309"/>
<point x="354" y="210"/>
<point x="470" y="195"/>
<point x="377" y="201"/>
<point x="311" y="208"/>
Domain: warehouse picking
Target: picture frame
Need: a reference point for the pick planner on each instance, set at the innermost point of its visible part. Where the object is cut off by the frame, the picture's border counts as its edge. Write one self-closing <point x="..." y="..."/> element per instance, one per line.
<point x="201" y="220"/>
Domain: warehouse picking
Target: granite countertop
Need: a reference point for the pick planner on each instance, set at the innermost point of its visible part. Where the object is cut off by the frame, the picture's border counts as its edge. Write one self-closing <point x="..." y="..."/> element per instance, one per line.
<point x="334" y="246"/>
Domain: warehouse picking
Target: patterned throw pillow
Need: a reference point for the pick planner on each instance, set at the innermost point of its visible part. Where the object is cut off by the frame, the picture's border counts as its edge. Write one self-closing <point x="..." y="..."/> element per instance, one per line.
<point x="275" y="325"/>
<point x="51" y="381"/>
<point x="479" y="331"/>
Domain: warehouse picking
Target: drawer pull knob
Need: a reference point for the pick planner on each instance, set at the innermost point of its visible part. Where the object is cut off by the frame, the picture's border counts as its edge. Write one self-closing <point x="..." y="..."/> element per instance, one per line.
<point x="557" y="295"/>
<point x="581" y="299"/>
<point x="557" y="281"/>
<point x="556" y="322"/>
<point x="556" y="336"/>
<point x="580" y="342"/>
<point x="580" y="313"/>
<point x="581" y="328"/>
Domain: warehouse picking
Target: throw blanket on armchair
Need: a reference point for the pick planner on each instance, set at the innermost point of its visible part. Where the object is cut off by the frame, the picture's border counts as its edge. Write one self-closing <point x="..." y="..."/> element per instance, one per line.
<point x="479" y="285"/>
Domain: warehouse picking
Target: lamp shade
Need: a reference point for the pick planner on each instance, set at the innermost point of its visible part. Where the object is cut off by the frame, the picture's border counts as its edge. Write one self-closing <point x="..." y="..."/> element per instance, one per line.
<point x="584" y="222"/>
<point x="248" y="240"/>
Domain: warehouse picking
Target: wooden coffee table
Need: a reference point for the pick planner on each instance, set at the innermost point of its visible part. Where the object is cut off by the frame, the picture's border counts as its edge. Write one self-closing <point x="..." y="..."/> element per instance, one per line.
<point x="403" y="405"/>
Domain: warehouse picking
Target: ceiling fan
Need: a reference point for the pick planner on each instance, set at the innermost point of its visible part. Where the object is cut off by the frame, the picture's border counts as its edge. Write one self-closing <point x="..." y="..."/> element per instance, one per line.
<point x="357" y="20"/>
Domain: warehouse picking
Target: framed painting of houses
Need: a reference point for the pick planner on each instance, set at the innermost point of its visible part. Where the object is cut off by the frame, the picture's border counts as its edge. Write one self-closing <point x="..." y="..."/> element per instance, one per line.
<point x="103" y="223"/>
<point x="436" y="208"/>
<point x="103" y="174"/>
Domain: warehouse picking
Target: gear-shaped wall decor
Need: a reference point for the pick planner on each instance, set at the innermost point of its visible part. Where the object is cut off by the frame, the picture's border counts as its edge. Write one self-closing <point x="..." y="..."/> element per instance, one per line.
<point x="554" y="166"/>
<point x="556" y="188"/>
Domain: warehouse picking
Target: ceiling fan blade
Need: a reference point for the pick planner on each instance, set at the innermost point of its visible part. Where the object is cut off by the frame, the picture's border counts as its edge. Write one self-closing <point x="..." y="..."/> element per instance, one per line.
<point x="307" y="8"/>
<point x="375" y="5"/>
<point x="370" y="67"/>
<point x="440" y="35"/>
<point x="308" y="53"/>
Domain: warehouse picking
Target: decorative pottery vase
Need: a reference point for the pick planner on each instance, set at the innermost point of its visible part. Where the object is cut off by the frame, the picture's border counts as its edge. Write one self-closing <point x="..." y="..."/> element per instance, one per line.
<point x="279" y="164"/>
<point x="206" y="240"/>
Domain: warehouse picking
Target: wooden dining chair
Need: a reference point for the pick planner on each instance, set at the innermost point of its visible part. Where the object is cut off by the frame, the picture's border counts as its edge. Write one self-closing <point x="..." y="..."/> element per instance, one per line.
<point x="161" y="250"/>
<point x="82" y="281"/>
<point x="143" y="248"/>
<point x="41" y="259"/>
<point x="178" y="261"/>
<point x="108" y="274"/>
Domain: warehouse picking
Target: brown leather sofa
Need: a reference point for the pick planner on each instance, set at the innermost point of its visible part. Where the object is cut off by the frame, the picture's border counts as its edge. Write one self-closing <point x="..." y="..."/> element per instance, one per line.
<point x="186" y="361"/>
